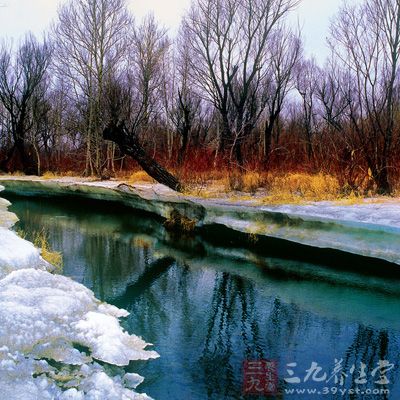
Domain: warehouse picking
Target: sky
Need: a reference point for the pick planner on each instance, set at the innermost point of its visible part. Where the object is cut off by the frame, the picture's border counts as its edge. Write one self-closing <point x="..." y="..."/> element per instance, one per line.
<point x="20" y="16"/>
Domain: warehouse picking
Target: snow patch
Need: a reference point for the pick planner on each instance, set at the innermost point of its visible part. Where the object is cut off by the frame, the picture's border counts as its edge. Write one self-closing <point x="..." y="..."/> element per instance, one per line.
<point x="7" y="219"/>
<point x="51" y="317"/>
<point x="39" y="311"/>
<point x="17" y="253"/>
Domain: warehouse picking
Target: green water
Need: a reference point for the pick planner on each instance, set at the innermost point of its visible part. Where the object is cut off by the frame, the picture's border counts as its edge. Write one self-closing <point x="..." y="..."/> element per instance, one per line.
<point x="207" y="309"/>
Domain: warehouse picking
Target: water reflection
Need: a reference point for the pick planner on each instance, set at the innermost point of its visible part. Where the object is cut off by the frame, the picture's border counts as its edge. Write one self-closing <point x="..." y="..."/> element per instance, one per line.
<point x="206" y="308"/>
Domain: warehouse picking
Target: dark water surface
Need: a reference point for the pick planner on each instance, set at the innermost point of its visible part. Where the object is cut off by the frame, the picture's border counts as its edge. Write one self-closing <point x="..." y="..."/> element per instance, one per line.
<point x="207" y="309"/>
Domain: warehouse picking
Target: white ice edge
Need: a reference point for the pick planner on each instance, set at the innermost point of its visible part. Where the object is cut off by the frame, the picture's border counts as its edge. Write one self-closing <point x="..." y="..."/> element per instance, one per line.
<point x="45" y="318"/>
<point x="374" y="216"/>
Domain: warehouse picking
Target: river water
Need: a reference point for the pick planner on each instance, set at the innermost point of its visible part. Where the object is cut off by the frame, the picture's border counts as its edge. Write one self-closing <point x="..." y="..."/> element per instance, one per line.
<point x="208" y="309"/>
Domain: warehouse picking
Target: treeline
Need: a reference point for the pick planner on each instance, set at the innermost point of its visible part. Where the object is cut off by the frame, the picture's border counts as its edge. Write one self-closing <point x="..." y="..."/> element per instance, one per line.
<point x="232" y="90"/>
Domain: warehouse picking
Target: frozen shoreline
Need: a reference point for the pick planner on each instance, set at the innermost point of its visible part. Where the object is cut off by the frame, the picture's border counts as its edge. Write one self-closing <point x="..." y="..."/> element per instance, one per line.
<point x="370" y="229"/>
<point x="44" y="317"/>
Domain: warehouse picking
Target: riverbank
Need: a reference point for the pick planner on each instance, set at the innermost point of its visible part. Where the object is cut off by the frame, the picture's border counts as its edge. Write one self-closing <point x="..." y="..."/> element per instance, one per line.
<point x="369" y="228"/>
<point x="56" y="337"/>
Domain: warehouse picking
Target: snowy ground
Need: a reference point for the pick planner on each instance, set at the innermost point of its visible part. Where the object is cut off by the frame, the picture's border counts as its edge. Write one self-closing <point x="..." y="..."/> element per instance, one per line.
<point x="56" y="338"/>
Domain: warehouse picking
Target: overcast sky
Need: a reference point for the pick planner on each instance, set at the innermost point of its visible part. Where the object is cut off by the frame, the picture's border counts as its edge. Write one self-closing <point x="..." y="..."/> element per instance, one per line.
<point x="19" y="16"/>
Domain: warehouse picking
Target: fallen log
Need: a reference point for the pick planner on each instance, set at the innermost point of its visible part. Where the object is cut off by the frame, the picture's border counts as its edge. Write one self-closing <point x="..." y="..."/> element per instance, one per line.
<point x="129" y="145"/>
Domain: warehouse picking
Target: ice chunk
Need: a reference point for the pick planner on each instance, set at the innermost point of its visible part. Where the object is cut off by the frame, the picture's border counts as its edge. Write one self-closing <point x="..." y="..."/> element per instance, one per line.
<point x="24" y="378"/>
<point x="38" y="310"/>
<point x="110" y="344"/>
<point x="7" y="219"/>
<point x="133" y="380"/>
<point x="100" y="386"/>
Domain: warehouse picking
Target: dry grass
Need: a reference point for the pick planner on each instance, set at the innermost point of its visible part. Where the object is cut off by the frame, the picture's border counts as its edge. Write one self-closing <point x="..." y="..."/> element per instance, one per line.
<point x="69" y="174"/>
<point x="263" y="187"/>
<point x="206" y="185"/>
<point x="273" y="188"/>
<point x="16" y="173"/>
<point x="300" y="187"/>
<point x="139" y="177"/>
<point x="179" y="223"/>
<point x="41" y="240"/>
<point x="55" y="258"/>
<point x="50" y="175"/>
<point x="248" y="182"/>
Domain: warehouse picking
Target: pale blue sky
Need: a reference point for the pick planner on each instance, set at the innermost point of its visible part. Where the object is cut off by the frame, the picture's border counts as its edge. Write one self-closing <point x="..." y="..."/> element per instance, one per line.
<point x="19" y="16"/>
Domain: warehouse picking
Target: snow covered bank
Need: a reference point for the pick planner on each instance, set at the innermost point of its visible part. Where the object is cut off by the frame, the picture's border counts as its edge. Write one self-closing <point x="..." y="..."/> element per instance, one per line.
<point x="56" y="338"/>
<point x="15" y="253"/>
<point x="371" y="229"/>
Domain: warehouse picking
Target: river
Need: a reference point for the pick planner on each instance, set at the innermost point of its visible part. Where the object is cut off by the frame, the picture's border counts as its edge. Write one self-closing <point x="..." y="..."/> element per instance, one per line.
<point x="207" y="309"/>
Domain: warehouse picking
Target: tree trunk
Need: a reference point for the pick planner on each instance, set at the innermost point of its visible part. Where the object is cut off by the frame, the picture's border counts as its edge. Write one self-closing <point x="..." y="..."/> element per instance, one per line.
<point x="29" y="166"/>
<point x="225" y="139"/>
<point x="184" y="145"/>
<point x="268" y="133"/>
<point x="382" y="182"/>
<point x="130" y="146"/>
<point x="267" y="141"/>
<point x="237" y="151"/>
<point x="237" y="144"/>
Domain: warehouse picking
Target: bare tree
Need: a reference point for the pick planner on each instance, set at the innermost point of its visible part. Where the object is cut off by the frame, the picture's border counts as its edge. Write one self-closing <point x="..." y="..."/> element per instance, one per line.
<point x="91" y="38"/>
<point x="285" y="52"/>
<point x="229" y="53"/>
<point x="366" y="40"/>
<point x="307" y="78"/>
<point x="184" y="105"/>
<point x="149" y="45"/>
<point x="20" y="79"/>
<point x="333" y="95"/>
